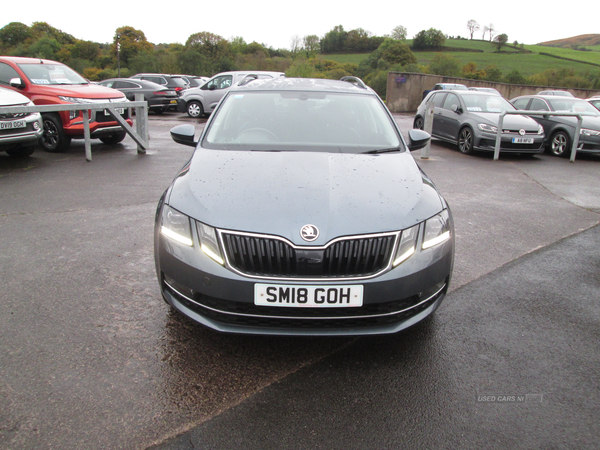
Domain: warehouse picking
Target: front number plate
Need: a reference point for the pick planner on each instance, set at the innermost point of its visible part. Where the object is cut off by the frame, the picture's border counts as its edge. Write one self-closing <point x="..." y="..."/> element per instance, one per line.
<point x="522" y="140"/>
<point x="117" y="110"/>
<point x="12" y="124"/>
<point x="308" y="296"/>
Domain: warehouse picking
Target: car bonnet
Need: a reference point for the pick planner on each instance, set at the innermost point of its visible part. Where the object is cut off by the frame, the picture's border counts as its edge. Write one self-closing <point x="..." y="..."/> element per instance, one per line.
<point x="280" y="192"/>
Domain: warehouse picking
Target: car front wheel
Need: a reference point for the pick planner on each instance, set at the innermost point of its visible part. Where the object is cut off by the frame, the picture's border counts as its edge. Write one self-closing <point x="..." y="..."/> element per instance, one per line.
<point x="465" y="141"/>
<point x="54" y="139"/>
<point x="560" y="143"/>
<point x="418" y="123"/>
<point x="194" y="109"/>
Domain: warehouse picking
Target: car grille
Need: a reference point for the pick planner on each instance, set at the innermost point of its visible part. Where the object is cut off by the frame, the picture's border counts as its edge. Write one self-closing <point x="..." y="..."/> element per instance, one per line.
<point x="369" y="315"/>
<point x="264" y="256"/>
<point x="8" y="116"/>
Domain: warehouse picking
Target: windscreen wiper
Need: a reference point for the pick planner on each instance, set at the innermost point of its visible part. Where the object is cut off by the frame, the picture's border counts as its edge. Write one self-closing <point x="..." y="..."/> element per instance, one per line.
<point x="383" y="150"/>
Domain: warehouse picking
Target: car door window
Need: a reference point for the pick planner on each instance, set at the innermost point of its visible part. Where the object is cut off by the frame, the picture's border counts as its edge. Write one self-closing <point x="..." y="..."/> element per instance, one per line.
<point x="125" y="85"/>
<point x="7" y="73"/>
<point x="222" y="82"/>
<point x="521" y="103"/>
<point x="538" y="105"/>
<point x="438" y="99"/>
<point x="451" y="101"/>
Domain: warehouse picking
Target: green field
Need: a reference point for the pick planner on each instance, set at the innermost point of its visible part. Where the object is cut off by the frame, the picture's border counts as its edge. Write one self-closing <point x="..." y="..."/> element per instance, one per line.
<point x="508" y="60"/>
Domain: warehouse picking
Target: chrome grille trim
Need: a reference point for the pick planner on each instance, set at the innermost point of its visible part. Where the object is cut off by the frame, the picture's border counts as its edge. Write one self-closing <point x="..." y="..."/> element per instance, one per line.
<point x="273" y="257"/>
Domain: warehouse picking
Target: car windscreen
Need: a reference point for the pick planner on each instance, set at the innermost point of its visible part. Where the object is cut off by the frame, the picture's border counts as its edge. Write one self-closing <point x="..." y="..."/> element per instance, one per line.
<point x="487" y="103"/>
<point x="51" y="74"/>
<point x="302" y="121"/>
<point x="565" y="104"/>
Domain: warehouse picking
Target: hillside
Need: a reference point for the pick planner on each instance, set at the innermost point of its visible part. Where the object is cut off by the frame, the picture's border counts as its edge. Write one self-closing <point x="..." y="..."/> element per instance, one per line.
<point x="584" y="40"/>
<point x="531" y="60"/>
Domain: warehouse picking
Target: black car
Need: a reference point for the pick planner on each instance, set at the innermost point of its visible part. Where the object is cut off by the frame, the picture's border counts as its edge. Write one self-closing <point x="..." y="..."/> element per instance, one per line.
<point x="302" y="212"/>
<point x="159" y="98"/>
<point x="560" y="130"/>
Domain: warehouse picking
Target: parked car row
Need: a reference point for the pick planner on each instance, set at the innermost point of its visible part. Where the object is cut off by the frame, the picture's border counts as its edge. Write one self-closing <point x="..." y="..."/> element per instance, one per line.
<point x="470" y="119"/>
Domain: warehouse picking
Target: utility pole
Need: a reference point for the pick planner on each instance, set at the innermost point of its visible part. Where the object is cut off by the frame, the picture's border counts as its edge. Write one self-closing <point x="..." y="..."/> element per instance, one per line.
<point x="119" y="55"/>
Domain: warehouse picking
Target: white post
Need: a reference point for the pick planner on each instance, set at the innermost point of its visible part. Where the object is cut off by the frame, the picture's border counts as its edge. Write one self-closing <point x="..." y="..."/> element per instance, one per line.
<point x="428" y="126"/>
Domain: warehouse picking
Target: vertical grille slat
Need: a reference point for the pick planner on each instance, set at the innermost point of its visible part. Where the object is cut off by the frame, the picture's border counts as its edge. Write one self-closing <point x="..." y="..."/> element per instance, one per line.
<point x="259" y="255"/>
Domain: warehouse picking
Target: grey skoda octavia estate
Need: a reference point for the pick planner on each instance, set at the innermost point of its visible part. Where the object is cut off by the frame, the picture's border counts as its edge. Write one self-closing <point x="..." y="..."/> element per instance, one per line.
<point x="302" y="212"/>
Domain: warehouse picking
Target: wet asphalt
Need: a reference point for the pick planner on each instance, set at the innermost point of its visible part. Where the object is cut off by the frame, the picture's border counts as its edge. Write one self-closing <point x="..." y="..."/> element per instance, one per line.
<point x="92" y="358"/>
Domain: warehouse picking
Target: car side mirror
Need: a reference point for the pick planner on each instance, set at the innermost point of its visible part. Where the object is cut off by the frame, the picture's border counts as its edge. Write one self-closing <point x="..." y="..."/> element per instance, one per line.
<point x="212" y="87"/>
<point x="457" y="109"/>
<point x="17" y="82"/>
<point x="417" y="139"/>
<point x="184" y="134"/>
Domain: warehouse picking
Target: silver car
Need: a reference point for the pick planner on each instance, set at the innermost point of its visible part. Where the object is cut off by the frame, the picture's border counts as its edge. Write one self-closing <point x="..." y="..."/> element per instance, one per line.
<point x="470" y="119"/>
<point x="19" y="132"/>
<point x="202" y="100"/>
<point x="302" y="212"/>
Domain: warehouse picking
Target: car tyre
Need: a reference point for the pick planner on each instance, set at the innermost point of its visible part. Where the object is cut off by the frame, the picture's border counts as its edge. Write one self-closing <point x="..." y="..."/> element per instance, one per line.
<point x="465" y="141"/>
<point x="114" y="138"/>
<point x="560" y="144"/>
<point x="53" y="139"/>
<point x="418" y="123"/>
<point x="21" y="152"/>
<point x="195" y="109"/>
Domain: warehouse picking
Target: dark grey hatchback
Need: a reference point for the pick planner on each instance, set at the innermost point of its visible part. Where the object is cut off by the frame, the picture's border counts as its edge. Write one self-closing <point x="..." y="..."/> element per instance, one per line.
<point x="302" y="212"/>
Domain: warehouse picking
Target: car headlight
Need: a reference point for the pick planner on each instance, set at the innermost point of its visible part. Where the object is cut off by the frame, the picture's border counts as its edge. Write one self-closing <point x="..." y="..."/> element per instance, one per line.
<point x="407" y="245"/>
<point x="437" y="230"/>
<point x="73" y="99"/>
<point x="488" y="128"/>
<point x="176" y="226"/>
<point x="540" y="129"/>
<point x="588" y="132"/>
<point x="209" y="242"/>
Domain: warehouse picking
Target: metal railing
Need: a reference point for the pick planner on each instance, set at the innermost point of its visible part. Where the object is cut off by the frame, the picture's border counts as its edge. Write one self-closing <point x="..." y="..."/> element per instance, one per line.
<point x="575" y="144"/>
<point x="139" y="135"/>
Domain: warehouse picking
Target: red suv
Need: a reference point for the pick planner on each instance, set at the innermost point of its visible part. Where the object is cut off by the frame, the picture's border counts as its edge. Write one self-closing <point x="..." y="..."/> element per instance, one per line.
<point x="48" y="82"/>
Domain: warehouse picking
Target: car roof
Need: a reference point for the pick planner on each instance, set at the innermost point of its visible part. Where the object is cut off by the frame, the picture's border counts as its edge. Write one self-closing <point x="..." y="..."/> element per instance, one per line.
<point x="25" y="60"/>
<point x="305" y="84"/>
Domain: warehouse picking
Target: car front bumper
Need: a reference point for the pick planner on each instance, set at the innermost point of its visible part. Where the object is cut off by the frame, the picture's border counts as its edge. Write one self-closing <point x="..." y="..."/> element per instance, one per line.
<point x="223" y="300"/>
<point x="487" y="142"/>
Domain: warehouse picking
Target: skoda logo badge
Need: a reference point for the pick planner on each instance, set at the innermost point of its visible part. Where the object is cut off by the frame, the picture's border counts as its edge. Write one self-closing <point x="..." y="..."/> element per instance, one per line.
<point x="309" y="233"/>
<point x="522" y="132"/>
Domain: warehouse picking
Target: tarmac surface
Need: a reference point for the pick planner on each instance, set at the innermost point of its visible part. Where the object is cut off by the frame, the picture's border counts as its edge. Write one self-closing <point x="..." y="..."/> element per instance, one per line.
<point x="92" y="358"/>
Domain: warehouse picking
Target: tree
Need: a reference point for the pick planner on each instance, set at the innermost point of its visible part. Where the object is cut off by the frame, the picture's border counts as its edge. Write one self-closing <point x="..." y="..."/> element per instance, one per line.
<point x="14" y="33"/>
<point x="515" y="77"/>
<point x="396" y="52"/>
<point x="295" y="44"/>
<point x="431" y="38"/>
<point x="311" y="44"/>
<point x="334" y="40"/>
<point x="472" y="26"/>
<point x="399" y="33"/>
<point x="446" y="65"/>
<point x="491" y="30"/>
<point x="501" y="41"/>
<point x="132" y="42"/>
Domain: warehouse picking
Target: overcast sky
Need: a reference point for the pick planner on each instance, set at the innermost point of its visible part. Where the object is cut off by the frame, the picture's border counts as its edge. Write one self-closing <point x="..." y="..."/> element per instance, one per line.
<point x="274" y="23"/>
